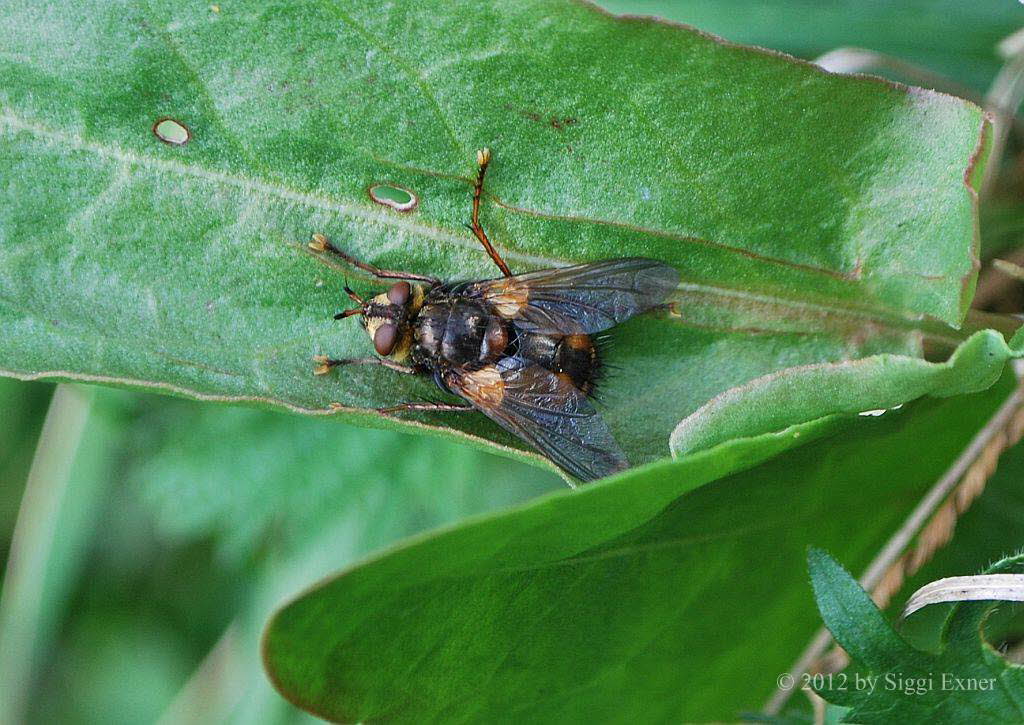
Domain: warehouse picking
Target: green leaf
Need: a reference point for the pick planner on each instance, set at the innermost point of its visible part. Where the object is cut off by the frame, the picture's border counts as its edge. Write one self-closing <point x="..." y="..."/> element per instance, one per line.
<point x="966" y="682"/>
<point x="803" y="394"/>
<point x="670" y="593"/>
<point x="287" y="500"/>
<point x="948" y="38"/>
<point x="57" y="518"/>
<point x="814" y="217"/>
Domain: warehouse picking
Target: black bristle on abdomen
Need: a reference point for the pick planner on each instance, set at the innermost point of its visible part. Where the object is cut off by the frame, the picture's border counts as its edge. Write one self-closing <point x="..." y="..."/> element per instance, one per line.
<point x="579" y="358"/>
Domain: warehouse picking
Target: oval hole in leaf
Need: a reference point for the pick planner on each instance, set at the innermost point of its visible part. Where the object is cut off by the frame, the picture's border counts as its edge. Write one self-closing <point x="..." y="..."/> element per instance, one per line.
<point x="394" y="196"/>
<point x="171" y="131"/>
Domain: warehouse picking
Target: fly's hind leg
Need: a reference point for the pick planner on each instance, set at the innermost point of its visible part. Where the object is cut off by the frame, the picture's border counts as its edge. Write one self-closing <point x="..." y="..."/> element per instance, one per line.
<point x="483" y="158"/>
<point x="325" y="364"/>
<point x="320" y="243"/>
<point x="436" y="407"/>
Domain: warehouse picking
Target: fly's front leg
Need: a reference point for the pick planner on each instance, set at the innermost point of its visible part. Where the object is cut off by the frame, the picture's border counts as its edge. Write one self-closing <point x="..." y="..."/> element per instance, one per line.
<point x="320" y="243"/>
<point x="325" y="364"/>
<point x="435" y="407"/>
<point x="483" y="158"/>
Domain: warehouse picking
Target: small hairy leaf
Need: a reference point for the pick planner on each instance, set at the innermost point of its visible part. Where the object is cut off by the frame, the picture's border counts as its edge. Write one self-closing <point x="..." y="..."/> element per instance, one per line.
<point x="966" y="682"/>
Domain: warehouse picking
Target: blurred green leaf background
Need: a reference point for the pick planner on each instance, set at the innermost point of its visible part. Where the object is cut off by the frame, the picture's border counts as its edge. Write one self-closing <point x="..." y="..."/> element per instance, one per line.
<point x="171" y="538"/>
<point x="174" y="528"/>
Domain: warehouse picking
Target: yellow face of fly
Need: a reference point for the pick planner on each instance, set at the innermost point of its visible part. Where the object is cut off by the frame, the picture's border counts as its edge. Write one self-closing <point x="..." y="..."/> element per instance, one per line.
<point x="387" y="319"/>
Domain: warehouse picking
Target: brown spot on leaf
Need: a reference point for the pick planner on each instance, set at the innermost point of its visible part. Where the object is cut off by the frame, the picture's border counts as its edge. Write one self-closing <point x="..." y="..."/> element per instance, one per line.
<point x="557" y="123"/>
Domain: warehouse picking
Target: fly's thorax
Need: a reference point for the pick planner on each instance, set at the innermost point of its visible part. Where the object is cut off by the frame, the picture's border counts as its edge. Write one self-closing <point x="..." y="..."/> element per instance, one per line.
<point x="458" y="331"/>
<point x="430" y="326"/>
<point x="395" y="313"/>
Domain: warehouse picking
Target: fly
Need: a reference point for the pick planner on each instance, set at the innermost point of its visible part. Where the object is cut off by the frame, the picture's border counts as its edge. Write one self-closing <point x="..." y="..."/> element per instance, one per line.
<point x="518" y="348"/>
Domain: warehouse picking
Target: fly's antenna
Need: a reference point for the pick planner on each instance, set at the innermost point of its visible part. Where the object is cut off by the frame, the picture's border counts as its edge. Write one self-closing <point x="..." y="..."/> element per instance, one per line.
<point x="361" y="310"/>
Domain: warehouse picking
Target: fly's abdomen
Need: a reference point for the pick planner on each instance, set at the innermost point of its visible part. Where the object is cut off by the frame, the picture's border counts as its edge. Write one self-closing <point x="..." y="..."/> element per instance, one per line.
<point x="573" y="357"/>
<point x="577" y="357"/>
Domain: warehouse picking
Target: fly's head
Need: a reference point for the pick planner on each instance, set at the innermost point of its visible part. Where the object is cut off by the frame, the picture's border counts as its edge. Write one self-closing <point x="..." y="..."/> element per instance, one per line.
<point x="387" y="316"/>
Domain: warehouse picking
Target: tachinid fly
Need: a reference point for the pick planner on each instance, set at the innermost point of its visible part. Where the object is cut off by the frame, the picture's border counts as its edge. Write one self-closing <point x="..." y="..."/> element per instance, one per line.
<point x="517" y="348"/>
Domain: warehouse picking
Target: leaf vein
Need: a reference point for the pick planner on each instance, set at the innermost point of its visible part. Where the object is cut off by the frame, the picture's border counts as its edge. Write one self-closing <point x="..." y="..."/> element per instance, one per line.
<point x="417" y="77"/>
<point x="277" y="190"/>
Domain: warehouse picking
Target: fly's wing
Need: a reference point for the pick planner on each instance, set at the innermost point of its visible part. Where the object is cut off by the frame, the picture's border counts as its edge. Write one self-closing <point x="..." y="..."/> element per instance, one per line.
<point x="545" y="411"/>
<point x="585" y="299"/>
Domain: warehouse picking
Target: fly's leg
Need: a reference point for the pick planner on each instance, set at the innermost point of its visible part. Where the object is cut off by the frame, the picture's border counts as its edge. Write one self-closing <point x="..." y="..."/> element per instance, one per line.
<point x="320" y="243"/>
<point x="325" y="364"/>
<point x="483" y="158"/>
<point x="669" y="308"/>
<point x="436" y="407"/>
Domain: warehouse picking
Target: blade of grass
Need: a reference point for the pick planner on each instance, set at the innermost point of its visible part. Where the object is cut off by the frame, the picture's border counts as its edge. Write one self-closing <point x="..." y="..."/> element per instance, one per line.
<point x="24" y="584"/>
<point x="215" y="686"/>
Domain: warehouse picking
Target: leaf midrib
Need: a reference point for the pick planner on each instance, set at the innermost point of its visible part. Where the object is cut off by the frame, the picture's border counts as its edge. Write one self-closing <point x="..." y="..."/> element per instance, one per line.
<point x="63" y="140"/>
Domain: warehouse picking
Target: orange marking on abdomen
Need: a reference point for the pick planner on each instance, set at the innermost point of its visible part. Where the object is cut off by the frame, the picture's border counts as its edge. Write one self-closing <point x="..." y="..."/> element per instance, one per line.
<point x="579" y="342"/>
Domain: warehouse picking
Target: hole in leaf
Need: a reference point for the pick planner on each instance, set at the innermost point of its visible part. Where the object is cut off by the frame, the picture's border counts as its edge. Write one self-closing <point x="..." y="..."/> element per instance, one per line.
<point x="171" y="131"/>
<point x="394" y="196"/>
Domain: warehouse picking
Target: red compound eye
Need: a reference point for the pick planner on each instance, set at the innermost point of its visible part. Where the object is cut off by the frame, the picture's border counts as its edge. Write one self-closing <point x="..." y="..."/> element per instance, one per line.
<point x="385" y="337"/>
<point x="399" y="293"/>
